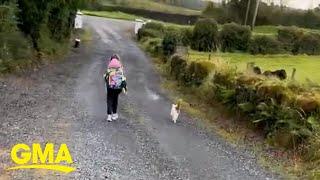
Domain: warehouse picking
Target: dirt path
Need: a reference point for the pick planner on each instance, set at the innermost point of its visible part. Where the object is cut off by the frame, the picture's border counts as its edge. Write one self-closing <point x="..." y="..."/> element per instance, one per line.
<point x="65" y="103"/>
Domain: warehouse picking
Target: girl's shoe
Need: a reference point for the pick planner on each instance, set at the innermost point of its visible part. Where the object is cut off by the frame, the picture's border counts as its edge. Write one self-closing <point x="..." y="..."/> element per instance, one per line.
<point x="115" y="116"/>
<point x="109" y="118"/>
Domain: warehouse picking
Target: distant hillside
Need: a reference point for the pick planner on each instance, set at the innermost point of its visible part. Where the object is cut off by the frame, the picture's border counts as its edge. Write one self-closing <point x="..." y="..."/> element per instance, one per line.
<point x="167" y="6"/>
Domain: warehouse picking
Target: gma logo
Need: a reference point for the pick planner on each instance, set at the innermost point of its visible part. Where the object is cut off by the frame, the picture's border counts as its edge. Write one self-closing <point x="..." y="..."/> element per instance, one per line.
<point x="36" y="158"/>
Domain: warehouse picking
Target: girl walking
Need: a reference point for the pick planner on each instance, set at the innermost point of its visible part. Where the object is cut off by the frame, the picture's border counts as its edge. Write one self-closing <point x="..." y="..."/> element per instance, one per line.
<point x="115" y="82"/>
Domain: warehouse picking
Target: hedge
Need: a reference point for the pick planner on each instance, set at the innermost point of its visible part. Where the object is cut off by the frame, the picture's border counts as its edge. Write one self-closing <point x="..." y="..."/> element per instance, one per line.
<point x="205" y="35"/>
<point x="151" y="33"/>
<point x="169" y="43"/>
<point x="265" y="45"/>
<point x="308" y="44"/>
<point x="234" y="37"/>
<point x="289" y="36"/>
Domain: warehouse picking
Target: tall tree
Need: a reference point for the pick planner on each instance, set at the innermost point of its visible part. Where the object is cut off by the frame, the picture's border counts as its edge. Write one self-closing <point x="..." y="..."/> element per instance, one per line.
<point x="247" y="12"/>
<point x="255" y="14"/>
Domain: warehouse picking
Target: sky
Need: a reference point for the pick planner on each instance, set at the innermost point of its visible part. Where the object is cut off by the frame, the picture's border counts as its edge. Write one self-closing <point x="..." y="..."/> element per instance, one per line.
<point x="303" y="4"/>
<point x="299" y="4"/>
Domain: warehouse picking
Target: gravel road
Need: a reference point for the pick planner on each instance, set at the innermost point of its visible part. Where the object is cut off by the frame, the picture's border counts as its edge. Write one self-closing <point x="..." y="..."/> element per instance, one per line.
<point x="65" y="102"/>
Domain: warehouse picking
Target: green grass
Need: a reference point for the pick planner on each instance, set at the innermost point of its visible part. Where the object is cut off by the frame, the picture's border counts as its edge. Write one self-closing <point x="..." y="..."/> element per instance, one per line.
<point x="153" y="6"/>
<point x="125" y="16"/>
<point x="266" y="30"/>
<point x="307" y="66"/>
<point x="113" y="15"/>
<point x="273" y="30"/>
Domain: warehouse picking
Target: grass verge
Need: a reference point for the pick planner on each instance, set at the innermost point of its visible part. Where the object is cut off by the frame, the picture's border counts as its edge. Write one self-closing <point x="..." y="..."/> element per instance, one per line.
<point x="51" y="52"/>
<point x="233" y="129"/>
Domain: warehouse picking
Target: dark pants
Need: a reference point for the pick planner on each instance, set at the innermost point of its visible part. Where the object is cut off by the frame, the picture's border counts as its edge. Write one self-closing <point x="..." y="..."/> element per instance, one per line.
<point x="112" y="100"/>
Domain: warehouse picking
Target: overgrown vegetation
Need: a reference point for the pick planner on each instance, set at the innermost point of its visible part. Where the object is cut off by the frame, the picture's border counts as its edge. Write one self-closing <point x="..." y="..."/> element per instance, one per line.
<point x="287" y="112"/>
<point x="30" y="27"/>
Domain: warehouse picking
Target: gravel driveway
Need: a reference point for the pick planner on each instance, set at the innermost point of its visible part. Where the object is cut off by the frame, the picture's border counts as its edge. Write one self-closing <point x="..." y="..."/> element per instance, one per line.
<point x="65" y="103"/>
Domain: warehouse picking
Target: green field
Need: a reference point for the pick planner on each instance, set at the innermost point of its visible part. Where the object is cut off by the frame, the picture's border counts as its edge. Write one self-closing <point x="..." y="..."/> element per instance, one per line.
<point x="113" y="15"/>
<point x="273" y="30"/>
<point x="124" y="16"/>
<point x="153" y="6"/>
<point x="307" y="66"/>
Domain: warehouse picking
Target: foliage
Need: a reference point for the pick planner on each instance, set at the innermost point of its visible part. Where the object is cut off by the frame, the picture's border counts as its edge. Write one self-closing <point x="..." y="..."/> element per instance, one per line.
<point x="169" y="43"/>
<point x="31" y="25"/>
<point x="312" y="149"/>
<point x="265" y="45"/>
<point x="155" y="26"/>
<point x="7" y="14"/>
<point x="205" y="35"/>
<point x="57" y="16"/>
<point x="288" y="36"/>
<point x="186" y="36"/>
<point x="234" y="37"/>
<point x="308" y="44"/>
<point x="13" y="45"/>
<point x="178" y="67"/>
<point x="198" y="72"/>
<point x="154" y="46"/>
<point x="145" y="33"/>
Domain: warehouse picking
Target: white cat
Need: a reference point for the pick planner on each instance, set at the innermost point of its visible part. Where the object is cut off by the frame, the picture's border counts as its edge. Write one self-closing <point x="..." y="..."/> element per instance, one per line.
<point x="175" y="111"/>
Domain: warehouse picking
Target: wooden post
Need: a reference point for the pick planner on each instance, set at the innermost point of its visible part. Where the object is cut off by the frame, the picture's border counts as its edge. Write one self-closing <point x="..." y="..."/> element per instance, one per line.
<point x="209" y="56"/>
<point x="293" y="73"/>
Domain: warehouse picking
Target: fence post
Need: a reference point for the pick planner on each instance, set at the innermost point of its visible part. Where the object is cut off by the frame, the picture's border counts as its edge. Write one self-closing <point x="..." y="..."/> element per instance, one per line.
<point x="293" y="73"/>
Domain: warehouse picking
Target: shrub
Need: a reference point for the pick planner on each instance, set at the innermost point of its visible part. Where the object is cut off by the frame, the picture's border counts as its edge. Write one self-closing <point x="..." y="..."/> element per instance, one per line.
<point x="144" y="32"/>
<point x="265" y="45"/>
<point x="288" y="36"/>
<point x="186" y="36"/>
<point x="205" y="35"/>
<point x="198" y="71"/>
<point x="153" y="45"/>
<point x="18" y="45"/>
<point x="178" y="67"/>
<point x="234" y="37"/>
<point x="308" y="44"/>
<point x="154" y="26"/>
<point x="169" y="43"/>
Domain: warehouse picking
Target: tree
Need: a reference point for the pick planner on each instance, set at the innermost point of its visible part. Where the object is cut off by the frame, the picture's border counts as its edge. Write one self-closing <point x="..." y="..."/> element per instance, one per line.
<point x="56" y="15"/>
<point x="247" y="12"/>
<point x="255" y="14"/>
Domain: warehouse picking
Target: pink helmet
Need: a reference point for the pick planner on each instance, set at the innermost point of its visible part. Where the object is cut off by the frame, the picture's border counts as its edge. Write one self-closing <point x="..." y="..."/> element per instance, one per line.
<point x="114" y="63"/>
